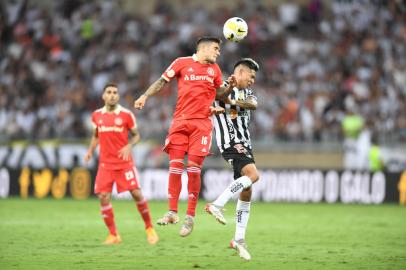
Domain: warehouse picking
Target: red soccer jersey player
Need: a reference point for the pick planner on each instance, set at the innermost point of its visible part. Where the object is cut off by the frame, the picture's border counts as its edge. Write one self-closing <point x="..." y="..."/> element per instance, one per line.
<point x="199" y="83"/>
<point x="112" y="123"/>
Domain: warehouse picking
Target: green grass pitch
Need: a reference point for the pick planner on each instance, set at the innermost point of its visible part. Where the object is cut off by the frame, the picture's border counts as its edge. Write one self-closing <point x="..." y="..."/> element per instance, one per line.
<point x="66" y="234"/>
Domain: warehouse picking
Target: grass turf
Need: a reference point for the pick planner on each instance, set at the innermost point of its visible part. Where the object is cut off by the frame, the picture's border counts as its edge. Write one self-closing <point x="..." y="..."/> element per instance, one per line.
<point x="66" y="234"/>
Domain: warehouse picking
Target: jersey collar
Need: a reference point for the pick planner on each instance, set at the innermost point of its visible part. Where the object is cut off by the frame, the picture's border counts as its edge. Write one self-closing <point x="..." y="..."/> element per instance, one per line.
<point x="116" y="110"/>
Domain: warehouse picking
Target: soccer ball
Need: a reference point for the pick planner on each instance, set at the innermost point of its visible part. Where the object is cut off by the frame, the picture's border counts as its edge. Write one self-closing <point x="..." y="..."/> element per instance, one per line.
<point x="235" y="29"/>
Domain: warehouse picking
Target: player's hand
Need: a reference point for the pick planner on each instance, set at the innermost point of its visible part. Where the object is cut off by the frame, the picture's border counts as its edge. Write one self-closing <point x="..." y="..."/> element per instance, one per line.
<point x="216" y="110"/>
<point x="88" y="156"/>
<point x="232" y="81"/>
<point x="140" y="102"/>
<point x="125" y="152"/>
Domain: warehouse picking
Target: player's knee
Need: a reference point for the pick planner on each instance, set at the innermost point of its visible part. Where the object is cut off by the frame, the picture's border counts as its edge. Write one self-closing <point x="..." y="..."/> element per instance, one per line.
<point x="104" y="198"/>
<point x="137" y="194"/>
<point x="195" y="161"/>
<point x="253" y="176"/>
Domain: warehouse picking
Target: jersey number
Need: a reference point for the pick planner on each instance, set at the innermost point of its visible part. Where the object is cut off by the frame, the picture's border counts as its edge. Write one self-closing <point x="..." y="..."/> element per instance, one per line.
<point x="204" y="140"/>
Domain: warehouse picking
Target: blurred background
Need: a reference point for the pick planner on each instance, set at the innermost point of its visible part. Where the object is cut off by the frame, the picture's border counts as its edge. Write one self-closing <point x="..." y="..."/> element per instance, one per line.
<point x="331" y="88"/>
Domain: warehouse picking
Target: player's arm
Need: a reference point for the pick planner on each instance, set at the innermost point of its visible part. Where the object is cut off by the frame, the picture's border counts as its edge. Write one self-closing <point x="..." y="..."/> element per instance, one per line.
<point x="249" y="104"/>
<point x="93" y="144"/>
<point x="223" y="91"/>
<point x="125" y="152"/>
<point x="152" y="90"/>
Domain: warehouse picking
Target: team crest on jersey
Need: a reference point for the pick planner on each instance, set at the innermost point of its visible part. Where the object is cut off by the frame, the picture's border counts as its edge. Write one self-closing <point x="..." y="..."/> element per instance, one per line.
<point x="118" y="121"/>
<point x="210" y="71"/>
<point x="170" y="73"/>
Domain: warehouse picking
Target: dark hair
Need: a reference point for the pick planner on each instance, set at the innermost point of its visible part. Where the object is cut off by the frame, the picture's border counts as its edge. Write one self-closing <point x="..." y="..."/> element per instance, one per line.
<point x="248" y="62"/>
<point x="207" y="39"/>
<point x="110" y="85"/>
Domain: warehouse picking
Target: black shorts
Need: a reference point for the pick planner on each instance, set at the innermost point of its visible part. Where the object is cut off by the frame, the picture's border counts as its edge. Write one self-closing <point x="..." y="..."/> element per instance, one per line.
<point x="238" y="156"/>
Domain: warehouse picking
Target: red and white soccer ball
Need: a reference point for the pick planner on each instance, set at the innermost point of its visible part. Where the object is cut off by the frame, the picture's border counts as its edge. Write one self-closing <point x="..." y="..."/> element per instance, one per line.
<point x="235" y="29"/>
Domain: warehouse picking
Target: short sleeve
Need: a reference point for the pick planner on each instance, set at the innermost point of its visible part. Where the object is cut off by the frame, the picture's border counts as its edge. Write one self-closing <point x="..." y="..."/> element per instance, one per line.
<point x="218" y="81"/>
<point x="172" y="71"/>
<point x="94" y="125"/>
<point x="132" y="122"/>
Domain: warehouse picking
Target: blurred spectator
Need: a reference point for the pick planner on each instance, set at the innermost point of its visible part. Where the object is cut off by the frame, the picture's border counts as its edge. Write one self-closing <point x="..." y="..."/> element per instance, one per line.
<point x="55" y="61"/>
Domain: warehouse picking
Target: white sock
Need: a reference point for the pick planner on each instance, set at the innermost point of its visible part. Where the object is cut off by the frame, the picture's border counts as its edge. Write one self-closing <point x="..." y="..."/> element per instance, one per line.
<point x="241" y="217"/>
<point x="234" y="188"/>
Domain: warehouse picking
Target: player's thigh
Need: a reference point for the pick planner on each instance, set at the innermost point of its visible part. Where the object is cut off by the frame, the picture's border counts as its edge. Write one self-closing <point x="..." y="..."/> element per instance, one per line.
<point x="104" y="181"/>
<point x="239" y="158"/>
<point x="127" y="179"/>
<point x="251" y="171"/>
<point x="178" y="137"/>
<point x="200" y="131"/>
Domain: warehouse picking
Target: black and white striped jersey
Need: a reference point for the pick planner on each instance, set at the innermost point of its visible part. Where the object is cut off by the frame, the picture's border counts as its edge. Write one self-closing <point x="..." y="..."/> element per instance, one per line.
<point x="231" y="127"/>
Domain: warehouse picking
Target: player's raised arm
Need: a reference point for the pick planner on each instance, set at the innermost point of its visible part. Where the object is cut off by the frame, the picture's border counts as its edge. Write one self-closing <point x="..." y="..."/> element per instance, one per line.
<point x="152" y="90"/>
<point x="223" y="91"/>
<point x="250" y="103"/>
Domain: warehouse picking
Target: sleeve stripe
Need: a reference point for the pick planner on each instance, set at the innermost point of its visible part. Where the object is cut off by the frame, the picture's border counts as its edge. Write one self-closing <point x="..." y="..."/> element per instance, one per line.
<point x="165" y="78"/>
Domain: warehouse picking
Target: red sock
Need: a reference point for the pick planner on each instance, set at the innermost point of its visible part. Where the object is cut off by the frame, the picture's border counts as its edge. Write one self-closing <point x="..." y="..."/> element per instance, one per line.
<point x="174" y="184"/>
<point x="108" y="217"/>
<point x="193" y="174"/>
<point x="144" y="212"/>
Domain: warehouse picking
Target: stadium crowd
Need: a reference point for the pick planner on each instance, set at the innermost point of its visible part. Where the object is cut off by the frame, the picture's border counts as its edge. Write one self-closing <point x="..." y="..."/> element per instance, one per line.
<point x="319" y="62"/>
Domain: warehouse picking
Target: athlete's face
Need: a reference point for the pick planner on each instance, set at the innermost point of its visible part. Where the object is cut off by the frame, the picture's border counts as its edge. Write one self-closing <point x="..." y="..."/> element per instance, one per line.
<point x="245" y="77"/>
<point x="110" y="96"/>
<point x="211" y="51"/>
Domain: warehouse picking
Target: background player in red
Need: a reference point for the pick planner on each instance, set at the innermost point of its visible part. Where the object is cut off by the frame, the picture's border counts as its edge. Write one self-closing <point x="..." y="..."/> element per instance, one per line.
<point x="112" y="123"/>
<point x="199" y="83"/>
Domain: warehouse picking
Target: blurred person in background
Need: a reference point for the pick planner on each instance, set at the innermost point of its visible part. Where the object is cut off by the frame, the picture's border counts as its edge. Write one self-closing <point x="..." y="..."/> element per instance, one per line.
<point x="352" y="125"/>
<point x="112" y="123"/>
<point x="375" y="156"/>
<point x="199" y="83"/>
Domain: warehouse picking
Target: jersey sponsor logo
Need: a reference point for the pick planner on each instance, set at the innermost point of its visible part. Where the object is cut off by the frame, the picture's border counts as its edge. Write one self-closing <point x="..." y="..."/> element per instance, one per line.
<point x="118" y="121"/>
<point x="198" y="78"/>
<point x="170" y="73"/>
<point x="210" y="71"/>
<point x="110" y="129"/>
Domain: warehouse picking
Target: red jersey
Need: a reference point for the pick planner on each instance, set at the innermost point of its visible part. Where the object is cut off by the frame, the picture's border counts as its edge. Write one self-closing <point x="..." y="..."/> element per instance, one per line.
<point x="112" y="130"/>
<point x="197" y="84"/>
